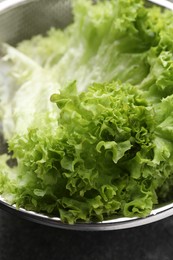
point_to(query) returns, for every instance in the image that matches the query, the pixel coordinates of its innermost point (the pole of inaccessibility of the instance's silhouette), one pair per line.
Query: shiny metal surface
(114, 224)
(164, 3)
(21, 19)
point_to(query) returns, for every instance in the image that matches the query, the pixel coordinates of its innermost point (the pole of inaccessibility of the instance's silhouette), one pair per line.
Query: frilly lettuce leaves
(87, 114)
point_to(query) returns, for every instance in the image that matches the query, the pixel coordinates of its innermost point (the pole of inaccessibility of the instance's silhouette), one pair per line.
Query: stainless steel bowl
(21, 19)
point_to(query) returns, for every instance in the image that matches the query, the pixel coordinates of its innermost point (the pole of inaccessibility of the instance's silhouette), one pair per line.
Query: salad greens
(88, 114)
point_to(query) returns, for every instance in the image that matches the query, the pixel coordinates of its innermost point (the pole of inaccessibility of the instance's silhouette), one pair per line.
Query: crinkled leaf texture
(94, 164)
(87, 113)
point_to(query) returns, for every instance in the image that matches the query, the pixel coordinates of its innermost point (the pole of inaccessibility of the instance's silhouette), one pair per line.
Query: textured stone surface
(24, 240)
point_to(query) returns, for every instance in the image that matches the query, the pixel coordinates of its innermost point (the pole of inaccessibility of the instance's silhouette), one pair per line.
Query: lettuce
(87, 114)
(88, 155)
(25, 93)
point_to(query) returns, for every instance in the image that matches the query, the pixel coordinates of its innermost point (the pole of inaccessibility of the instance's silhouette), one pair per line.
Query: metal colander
(21, 19)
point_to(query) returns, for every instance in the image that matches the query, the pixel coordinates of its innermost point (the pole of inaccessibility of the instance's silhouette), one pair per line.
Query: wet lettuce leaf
(87, 114)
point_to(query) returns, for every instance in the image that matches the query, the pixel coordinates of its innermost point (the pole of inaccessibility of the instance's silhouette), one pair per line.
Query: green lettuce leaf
(86, 161)
(87, 114)
(25, 93)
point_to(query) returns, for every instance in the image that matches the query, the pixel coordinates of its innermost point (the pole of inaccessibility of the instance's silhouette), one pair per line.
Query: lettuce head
(87, 114)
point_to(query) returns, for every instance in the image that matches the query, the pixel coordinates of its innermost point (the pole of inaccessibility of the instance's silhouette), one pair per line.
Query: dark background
(24, 240)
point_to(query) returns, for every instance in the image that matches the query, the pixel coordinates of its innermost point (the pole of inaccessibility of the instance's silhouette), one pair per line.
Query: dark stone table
(23, 240)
